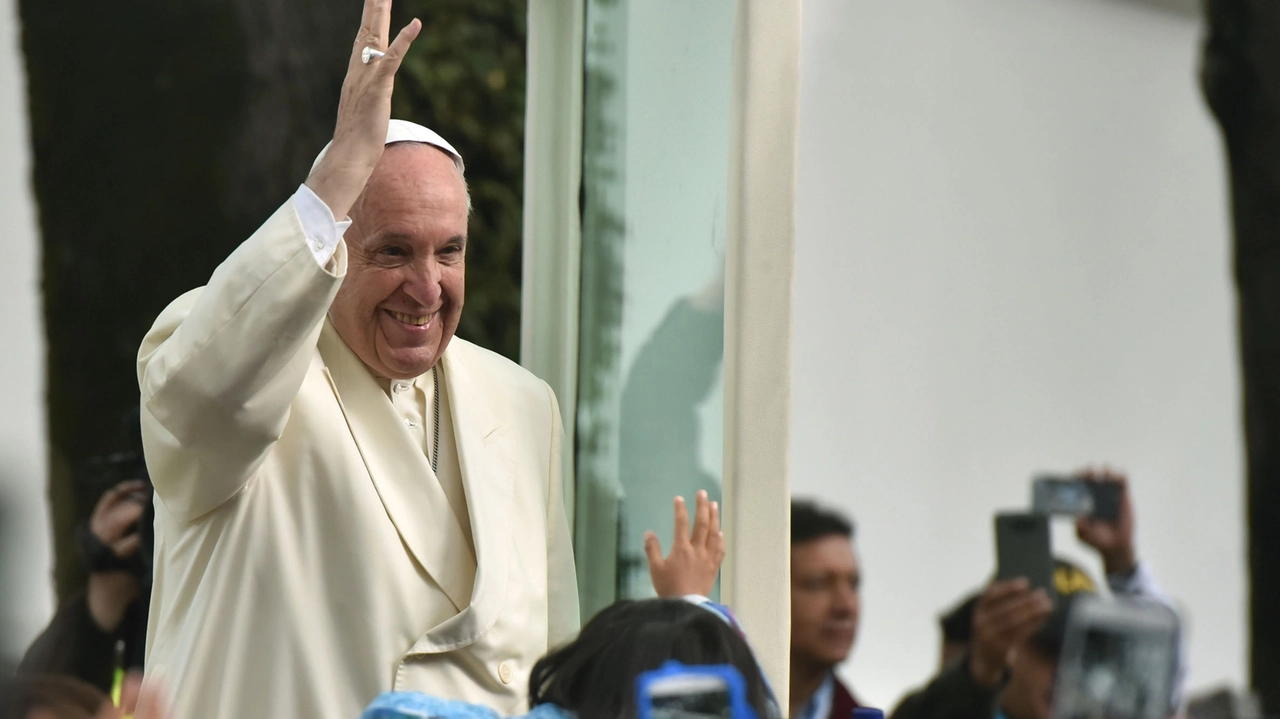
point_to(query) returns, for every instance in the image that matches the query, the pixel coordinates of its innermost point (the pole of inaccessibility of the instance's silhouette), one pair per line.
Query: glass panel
(657, 96)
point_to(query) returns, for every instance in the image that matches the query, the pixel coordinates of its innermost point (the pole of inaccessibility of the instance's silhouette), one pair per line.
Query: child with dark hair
(594, 676)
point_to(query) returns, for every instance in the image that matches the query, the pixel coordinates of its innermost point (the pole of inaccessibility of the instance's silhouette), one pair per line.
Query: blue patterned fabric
(415, 705)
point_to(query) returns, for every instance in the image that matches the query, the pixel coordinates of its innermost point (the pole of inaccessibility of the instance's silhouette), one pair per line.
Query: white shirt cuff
(323, 233)
(1138, 583)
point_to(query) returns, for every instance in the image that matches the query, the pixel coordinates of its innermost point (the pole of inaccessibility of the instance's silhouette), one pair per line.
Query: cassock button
(504, 672)
(410, 423)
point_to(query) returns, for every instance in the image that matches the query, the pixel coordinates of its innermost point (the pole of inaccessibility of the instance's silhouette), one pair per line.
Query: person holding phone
(1007, 668)
(101, 631)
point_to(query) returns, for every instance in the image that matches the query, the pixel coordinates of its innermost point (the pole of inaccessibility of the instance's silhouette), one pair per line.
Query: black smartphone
(1107, 497)
(1023, 549)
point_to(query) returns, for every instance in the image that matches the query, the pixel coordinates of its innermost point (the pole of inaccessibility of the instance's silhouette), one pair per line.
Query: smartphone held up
(1023, 549)
(1076, 497)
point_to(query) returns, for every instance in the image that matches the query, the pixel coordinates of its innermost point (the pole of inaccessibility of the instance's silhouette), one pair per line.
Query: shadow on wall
(674, 372)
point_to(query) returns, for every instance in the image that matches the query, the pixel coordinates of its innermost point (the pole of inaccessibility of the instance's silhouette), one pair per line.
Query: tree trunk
(1241, 81)
(163, 133)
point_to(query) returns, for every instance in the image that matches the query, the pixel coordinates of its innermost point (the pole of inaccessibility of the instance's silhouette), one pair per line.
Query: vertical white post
(759, 273)
(552, 220)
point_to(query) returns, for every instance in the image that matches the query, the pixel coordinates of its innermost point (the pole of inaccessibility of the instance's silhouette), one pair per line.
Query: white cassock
(307, 557)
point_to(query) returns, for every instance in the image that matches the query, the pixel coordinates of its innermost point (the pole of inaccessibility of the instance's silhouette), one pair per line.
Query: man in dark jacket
(826, 579)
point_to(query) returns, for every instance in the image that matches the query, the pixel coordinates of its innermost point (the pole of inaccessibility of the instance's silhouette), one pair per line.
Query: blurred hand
(130, 693)
(151, 703)
(1114, 541)
(694, 561)
(115, 517)
(115, 524)
(1007, 614)
(136, 701)
(364, 110)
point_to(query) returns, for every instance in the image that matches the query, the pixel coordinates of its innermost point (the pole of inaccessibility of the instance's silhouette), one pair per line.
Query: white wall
(1012, 256)
(25, 552)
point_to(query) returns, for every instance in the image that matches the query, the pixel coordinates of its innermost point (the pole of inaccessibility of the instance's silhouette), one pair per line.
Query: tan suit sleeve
(562, 579)
(221, 366)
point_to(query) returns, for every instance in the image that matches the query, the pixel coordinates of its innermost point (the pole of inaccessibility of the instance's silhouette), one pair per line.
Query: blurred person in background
(48, 696)
(349, 498)
(957, 630)
(101, 632)
(1007, 669)
(44, 696)
(1004, 662)
(826, 601)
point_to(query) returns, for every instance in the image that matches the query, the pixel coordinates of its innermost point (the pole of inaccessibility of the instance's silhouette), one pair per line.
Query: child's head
(595, 675)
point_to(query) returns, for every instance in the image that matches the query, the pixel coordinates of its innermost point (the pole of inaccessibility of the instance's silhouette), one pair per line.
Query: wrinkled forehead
(421, 171)
(414, 191)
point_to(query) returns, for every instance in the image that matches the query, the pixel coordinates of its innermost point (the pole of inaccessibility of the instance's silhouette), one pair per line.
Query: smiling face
(401, 300)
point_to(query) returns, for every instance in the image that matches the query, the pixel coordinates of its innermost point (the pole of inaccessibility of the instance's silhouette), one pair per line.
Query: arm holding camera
(1116, 544)
(1113, 540)
(81, 639)
(115, 524)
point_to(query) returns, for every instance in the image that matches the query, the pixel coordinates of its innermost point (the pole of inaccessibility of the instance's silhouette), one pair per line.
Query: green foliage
(465, 78)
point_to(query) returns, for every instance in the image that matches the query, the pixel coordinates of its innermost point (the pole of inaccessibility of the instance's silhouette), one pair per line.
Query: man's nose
(845, 601)
(423, 284)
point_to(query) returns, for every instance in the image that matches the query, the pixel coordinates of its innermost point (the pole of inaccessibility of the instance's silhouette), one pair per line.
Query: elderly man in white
(350, 499)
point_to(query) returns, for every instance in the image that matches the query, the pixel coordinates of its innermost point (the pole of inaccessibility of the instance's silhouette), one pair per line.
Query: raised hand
(115, 517)
(1114, 541)
(364, 110)
(115, 524)
(1006, 615)
(695, 559)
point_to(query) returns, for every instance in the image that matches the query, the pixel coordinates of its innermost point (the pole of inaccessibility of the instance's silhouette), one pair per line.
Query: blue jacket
(414, 705)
